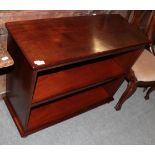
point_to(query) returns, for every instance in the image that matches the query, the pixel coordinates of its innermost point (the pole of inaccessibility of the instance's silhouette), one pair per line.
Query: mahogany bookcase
(66, 66)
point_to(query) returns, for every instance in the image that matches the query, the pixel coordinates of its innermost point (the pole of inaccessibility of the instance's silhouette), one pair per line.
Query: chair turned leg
(152, 88)
(145, 88)
(131, 88)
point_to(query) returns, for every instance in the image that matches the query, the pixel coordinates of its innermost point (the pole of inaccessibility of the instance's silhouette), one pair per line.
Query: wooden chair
(143, 71)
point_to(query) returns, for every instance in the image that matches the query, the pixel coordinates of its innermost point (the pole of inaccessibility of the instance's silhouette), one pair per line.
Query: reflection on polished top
(52, 42)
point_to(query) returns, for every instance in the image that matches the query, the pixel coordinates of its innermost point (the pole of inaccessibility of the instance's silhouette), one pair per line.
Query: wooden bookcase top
(48, 43)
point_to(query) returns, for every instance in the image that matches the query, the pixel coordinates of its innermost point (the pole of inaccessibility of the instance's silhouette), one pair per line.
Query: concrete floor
(134, 124)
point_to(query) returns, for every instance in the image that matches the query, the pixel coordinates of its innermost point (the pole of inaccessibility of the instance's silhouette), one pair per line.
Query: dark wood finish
(10, 16)
(86, 60)
(71, 39)
(141, 19)
(151, 32)
(58, 110)
(133, 83)
(131, 88)
(125, 61)
(20, 83)
(151, 89)
(15, 117)
(112, 86)
(63, 82)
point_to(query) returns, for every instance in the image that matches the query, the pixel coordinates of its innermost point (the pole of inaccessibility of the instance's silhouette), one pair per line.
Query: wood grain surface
(63, 40)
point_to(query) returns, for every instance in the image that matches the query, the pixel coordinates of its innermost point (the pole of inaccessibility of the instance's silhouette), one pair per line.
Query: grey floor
(134, 124)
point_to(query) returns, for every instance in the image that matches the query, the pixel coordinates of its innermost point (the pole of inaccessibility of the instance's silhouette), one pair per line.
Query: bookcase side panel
(20, 83)
(127, 60)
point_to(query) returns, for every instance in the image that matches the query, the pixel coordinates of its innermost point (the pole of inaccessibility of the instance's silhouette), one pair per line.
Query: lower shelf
(52, 113)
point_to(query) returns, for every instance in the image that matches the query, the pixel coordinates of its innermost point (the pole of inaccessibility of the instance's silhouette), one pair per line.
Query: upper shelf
(62, 83)
(53, 42)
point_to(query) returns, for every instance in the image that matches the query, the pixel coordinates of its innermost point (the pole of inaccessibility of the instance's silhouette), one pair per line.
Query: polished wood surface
(147, 25)
(63, 82)
(131, 88)
(20, 83)
(83, 62)
(58, 110)
(65, 40)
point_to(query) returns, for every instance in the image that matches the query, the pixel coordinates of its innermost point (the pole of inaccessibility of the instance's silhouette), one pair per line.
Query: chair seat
(144, 67)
